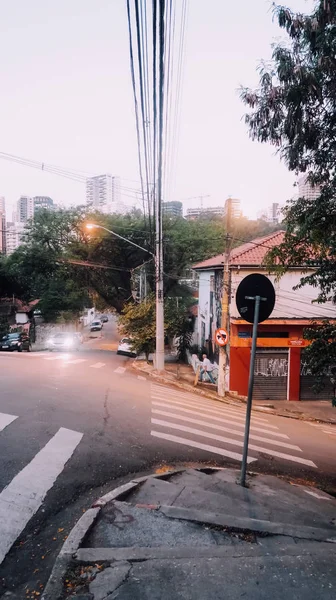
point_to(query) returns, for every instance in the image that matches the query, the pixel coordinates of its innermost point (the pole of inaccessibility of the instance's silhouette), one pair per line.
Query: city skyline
(97, 133)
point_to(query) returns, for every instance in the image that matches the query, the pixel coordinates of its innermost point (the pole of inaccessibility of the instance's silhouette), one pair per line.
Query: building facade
(280, 371)
(173, 209)
(103, 193)
(196, 213)
(2, 225)
(307, 190)
(25, 209)
(232, 206)
(14, 234)
(43, 202)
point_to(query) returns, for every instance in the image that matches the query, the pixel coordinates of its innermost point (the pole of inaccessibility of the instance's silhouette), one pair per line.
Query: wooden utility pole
(224, 353)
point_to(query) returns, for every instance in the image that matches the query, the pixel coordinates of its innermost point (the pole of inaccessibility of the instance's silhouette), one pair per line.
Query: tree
(294, 109)
(137, 321)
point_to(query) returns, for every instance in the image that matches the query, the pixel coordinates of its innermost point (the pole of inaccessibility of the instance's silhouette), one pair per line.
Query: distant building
(173, 208)
(2, 225)
(232, 204)
(14, 234)
(103, 193)
(25, 209)
(307, 190)
(196, 213)
(43, 202)
(271, 214)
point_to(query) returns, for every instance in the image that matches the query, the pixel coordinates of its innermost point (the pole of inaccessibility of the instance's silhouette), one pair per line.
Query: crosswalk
(326, 428)
(23, 496)
(189, 420)
(67, 359)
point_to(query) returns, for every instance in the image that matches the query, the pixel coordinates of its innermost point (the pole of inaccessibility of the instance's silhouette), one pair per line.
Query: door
(270, 375)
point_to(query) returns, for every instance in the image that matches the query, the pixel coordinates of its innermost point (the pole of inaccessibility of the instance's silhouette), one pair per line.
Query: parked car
(104, 318)
(15, 341)
(63, 341)
(96, 325)
(125, 347)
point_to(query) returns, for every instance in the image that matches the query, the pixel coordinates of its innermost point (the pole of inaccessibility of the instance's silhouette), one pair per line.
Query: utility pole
(224, 352)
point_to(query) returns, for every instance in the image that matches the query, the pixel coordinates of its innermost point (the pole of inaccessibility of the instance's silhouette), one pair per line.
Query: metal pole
(250, 390)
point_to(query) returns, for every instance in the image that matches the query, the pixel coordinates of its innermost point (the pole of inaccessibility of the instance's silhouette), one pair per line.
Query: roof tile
(252, 253)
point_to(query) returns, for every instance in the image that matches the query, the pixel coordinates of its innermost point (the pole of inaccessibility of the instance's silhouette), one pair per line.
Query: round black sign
(250, 287)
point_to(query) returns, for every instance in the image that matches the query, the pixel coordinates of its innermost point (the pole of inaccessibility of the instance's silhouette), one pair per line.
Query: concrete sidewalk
(183, 376)
(195, 534)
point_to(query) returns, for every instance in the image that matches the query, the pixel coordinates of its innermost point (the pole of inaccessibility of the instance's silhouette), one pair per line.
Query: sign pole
(250, 388)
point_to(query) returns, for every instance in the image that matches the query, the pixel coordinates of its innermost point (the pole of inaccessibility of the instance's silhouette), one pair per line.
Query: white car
(96, 325)
(125, 347)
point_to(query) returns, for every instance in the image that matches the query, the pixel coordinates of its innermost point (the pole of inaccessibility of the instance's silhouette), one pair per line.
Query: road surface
(74, 425)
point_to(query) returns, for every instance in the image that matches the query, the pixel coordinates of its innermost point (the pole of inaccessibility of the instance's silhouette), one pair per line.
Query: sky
(66, 99)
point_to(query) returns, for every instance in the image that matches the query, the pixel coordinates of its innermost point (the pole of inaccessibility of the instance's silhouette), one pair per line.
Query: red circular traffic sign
(221, 337)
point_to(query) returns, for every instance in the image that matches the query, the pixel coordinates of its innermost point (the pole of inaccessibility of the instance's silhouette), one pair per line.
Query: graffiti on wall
(270, 366)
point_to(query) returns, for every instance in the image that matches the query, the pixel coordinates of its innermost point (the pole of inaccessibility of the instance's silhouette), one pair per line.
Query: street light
(159, 350)
(96, 226)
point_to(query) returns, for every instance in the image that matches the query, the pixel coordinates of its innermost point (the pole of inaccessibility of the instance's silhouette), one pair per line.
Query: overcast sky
(66, 99)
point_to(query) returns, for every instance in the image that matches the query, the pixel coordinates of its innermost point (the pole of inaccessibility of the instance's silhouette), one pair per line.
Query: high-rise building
(25, 208)
(173, 208)
(43, 202)
(307, 190)
(103, 193)
(2, 225)
(14, 234)
(232, 204)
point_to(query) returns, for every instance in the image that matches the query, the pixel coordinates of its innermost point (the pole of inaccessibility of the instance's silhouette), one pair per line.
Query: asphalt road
(74, 425)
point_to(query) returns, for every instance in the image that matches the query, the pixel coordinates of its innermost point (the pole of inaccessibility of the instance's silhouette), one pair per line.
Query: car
(64, 341)
(96, 325)
(15, 341)
(125, 347)
(104, 319)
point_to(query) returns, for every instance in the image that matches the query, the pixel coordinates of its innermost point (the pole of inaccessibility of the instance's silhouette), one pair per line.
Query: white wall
(289, 303)
(204, 304)
(21, 318)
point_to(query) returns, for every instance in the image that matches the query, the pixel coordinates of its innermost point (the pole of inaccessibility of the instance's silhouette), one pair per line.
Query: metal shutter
(270, 375)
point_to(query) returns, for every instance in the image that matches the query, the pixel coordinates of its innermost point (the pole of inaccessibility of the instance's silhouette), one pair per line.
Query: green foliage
(68, 267)
(137, 321)
(4, 326)
(320, 356)
(294, 109)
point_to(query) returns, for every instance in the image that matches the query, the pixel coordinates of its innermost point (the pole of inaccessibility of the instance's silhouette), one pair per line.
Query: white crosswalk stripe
(199, 418)
(98, 365)
(328, 429)
(21, 499)
(76, 361)
(120, 370)
(6, 420)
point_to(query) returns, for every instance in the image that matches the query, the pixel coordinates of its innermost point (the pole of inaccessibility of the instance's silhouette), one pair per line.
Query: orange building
(280, 371)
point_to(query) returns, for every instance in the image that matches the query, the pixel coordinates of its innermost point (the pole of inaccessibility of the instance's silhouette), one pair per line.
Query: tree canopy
(70, 267)
(294, 109)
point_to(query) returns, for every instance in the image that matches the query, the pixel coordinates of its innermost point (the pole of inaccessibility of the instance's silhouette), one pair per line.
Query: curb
(232, 399)
(53, 589)
(70, 548)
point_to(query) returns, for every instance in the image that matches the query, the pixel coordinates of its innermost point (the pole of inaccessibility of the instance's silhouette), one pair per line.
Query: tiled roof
(252, 253)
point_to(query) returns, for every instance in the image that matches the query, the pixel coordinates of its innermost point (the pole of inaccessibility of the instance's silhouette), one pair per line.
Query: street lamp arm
(124, 239)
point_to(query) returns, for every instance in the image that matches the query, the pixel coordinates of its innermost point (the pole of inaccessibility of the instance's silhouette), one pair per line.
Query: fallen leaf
(60, 529)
